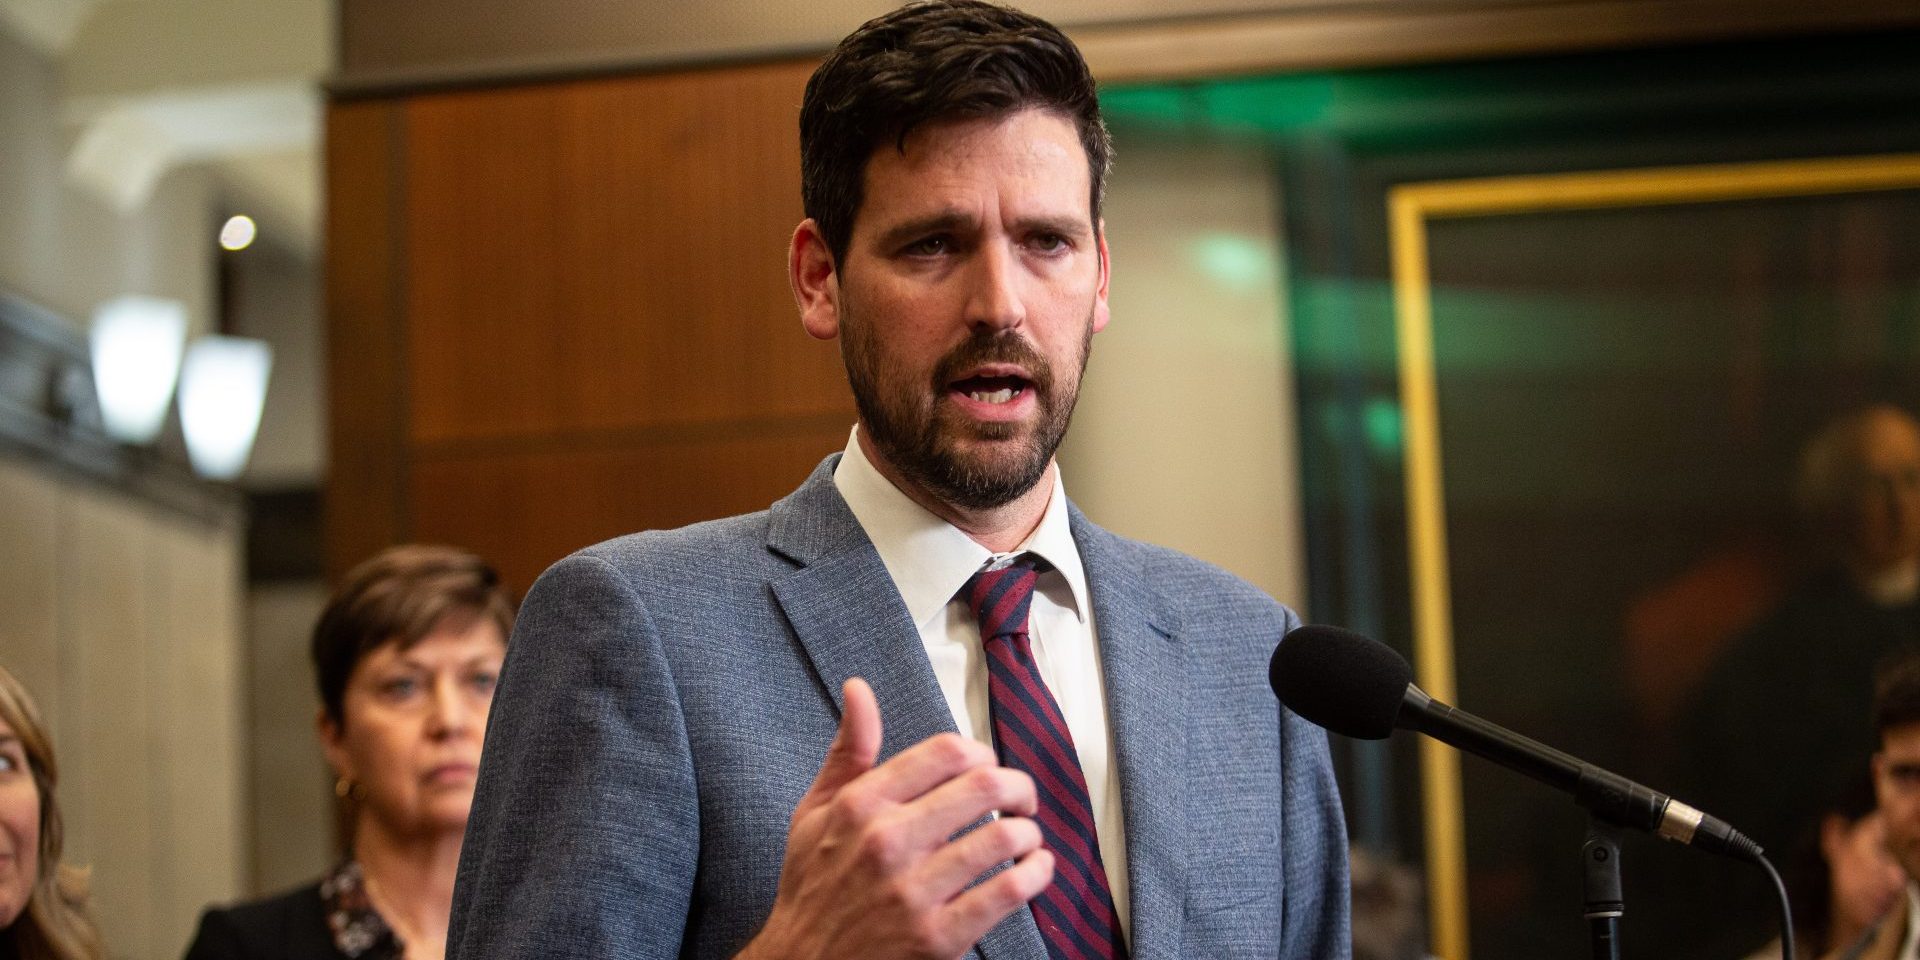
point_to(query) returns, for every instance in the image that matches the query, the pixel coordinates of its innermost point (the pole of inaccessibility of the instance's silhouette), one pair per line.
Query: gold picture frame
(1410, 208)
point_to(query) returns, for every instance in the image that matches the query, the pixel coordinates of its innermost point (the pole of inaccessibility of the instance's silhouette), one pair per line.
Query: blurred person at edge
(1896, 784)
(407, 654)
(1841, 878)
(43, 904)
(1773, 725)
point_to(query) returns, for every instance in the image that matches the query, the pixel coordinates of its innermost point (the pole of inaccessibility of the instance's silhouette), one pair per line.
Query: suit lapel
(848, 615)
(1145, 669)
(849, 618)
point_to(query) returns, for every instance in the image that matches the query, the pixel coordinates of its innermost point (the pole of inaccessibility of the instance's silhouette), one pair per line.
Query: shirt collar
(1912, 940)
(931, 559)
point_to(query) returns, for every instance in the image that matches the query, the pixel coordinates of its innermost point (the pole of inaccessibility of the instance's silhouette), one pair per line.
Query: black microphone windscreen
(1340, 680)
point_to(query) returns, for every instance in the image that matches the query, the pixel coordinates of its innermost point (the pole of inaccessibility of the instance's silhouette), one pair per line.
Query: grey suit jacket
(669, 696)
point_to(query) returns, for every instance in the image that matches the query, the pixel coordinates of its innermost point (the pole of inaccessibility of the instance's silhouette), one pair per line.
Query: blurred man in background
(1896, 780)
(1775, 723)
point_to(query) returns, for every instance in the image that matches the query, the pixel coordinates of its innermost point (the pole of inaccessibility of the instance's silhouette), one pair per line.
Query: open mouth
(991, 390)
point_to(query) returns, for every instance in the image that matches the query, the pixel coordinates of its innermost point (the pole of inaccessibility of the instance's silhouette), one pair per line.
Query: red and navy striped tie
(1075, 912)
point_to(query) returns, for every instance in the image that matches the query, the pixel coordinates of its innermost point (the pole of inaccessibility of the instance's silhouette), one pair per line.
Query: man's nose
(994, 297)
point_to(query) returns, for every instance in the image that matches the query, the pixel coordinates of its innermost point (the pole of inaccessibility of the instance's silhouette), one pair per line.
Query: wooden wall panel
(560, 313)
(365, 394)
(196, 684)
(29, 617)
(118, 614)
(107, 737)
(608, 255)
(530, 508)
(486, 322)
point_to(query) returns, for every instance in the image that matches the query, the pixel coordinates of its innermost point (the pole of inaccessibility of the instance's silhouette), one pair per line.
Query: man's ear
(1100, 313)
(815, 280)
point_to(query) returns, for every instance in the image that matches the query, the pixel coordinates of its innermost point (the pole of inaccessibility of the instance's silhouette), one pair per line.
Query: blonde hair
(56, 924)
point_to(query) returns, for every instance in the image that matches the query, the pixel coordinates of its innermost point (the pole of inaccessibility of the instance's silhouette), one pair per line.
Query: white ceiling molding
(228, 85)
(127, 145)
(119, 157)
(215, 121)
(49, 26)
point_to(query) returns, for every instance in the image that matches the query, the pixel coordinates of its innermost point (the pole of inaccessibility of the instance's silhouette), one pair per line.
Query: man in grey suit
(921, 707)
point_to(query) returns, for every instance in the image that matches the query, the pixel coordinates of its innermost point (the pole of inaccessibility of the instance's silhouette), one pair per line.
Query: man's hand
(870, 871)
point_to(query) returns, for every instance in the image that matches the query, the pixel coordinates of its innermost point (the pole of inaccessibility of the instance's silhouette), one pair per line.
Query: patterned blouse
(359, 932)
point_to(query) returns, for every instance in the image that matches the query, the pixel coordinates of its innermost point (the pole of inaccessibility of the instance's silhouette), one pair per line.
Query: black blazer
(291, 926)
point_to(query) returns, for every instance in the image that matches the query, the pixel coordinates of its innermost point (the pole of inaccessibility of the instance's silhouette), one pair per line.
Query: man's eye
(484, 680)
(928, 247)
(1050, 243)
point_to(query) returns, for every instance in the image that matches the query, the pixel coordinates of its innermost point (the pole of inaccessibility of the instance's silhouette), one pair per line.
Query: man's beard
(921, 438)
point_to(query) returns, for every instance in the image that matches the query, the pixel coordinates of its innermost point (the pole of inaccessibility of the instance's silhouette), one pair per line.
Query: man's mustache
(989, 348)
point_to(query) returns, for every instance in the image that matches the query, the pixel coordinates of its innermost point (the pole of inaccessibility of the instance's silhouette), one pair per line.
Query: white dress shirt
(931, 560)
(1911, 946)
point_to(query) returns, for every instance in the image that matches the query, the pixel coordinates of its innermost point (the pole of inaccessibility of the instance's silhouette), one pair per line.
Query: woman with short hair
(43, 903)
(406, 655)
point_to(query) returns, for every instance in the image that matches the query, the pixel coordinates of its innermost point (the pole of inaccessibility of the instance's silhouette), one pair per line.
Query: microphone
(1353, 686)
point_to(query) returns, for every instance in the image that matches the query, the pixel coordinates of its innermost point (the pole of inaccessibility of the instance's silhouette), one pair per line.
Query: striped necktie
(1075, 913)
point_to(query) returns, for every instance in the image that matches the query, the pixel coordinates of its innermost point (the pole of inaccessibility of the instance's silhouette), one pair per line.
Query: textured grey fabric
(668, 697)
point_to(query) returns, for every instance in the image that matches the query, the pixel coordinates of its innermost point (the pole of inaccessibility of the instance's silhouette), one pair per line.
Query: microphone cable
(1786, 910)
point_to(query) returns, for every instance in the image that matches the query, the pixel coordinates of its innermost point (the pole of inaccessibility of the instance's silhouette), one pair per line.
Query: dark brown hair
(930, 61)
(1896, 692)
(400, 596)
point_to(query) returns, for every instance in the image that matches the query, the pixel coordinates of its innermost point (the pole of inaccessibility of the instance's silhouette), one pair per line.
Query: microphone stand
(1600, 863)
